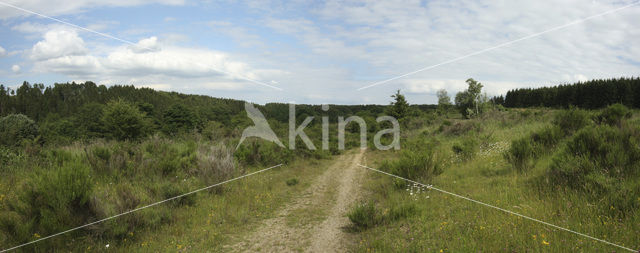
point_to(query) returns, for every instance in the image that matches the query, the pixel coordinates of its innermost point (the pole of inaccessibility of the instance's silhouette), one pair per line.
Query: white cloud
(15, 69)
(3, 52)
(146, 45)
(166, 64)
(58, 43)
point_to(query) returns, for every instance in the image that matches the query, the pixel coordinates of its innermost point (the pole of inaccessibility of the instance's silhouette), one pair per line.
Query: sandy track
(328, 198)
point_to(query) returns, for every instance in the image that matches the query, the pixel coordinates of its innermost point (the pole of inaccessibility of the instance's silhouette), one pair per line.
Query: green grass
(449, 224)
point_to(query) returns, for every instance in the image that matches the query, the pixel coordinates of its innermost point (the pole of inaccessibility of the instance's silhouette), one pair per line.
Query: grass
(444, 223)
(216, 220)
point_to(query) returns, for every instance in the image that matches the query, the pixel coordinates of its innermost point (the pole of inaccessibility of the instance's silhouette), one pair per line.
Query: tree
(17, 127)
(444, 101)
(90, 120)
(179, 118)
(469, 101)
(399, 107)
(123, 121)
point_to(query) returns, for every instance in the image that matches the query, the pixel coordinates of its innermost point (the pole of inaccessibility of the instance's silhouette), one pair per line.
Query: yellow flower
(545, 242)
(36, 235)
(534, 236)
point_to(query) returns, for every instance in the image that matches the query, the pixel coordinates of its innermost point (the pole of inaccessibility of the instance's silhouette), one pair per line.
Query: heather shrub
(613, 115)
(571, 120)
(521, 154)
(603, 162)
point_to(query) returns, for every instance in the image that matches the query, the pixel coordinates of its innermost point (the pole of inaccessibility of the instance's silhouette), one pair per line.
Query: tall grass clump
(419, 165)
(603, 162)
(363, 215)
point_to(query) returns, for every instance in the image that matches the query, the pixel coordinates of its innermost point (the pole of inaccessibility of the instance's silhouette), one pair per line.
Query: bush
(465, 149)
(547, 137)
(292, 182)
(215, 164)
(15, 128)
(123, 121)
(602, 161)
(420, 165)
(179, 119)
(521, 154)
(613, 115)
(363, 215)
(571, 120)
(266, 153)
(50, 202)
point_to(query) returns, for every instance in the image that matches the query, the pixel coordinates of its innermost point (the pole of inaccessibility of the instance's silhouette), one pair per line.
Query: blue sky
(317, 52)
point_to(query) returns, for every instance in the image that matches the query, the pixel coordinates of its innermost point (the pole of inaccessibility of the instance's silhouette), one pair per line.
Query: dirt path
(315, 221)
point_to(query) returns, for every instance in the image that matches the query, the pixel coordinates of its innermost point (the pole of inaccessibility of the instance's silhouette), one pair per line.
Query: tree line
(65, 112)
(588, 95)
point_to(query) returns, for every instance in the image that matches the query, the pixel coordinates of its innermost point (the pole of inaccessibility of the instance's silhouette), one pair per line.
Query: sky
(318, 52)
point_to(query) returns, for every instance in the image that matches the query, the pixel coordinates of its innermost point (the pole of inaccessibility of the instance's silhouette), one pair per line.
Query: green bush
(602, 161)
(547, 137)
(363, 215)
(123, 121)
(465, 149)
(521, 154)
(266, 153)
(421, 165)
(15, 128)
(613, 115)
(292, 182)
(50, 202)
(571, 120)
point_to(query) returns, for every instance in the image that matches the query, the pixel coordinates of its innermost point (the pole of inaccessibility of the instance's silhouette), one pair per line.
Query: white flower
(106, 246)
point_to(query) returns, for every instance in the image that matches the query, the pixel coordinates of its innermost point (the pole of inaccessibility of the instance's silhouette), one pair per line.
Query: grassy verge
(216, 220)
(443, 223)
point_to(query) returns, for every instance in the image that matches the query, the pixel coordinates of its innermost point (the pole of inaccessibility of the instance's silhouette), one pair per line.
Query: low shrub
(266, 153)
(465, 149)
(547, 138)
(521, 154)
(50, 202)
(363, 215)
(613, 115)
(602, 161)
(461, 128)
(292, 182)
(571, 120)
(215, 164)
(421, 165)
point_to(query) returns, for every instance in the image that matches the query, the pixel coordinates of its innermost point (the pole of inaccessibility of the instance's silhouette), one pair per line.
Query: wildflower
(106, 246)
(545, 242)
(36, 235)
